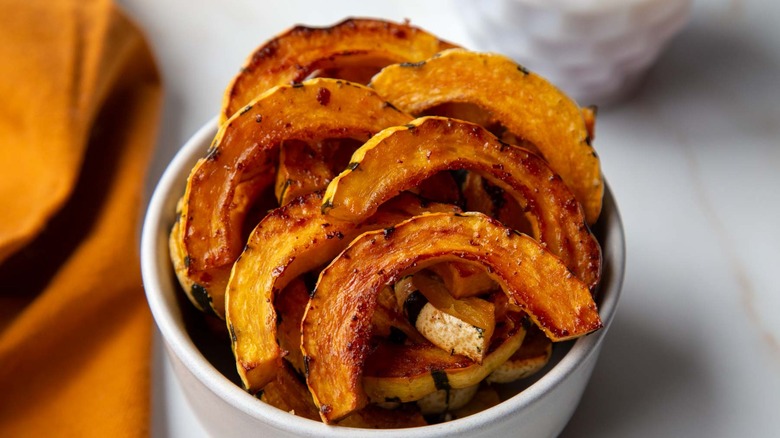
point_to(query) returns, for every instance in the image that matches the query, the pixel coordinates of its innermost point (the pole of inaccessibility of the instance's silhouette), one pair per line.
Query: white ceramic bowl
(541, 407)
(595, 50)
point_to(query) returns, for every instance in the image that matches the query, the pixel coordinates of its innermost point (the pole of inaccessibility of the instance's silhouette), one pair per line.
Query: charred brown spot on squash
(323, 96)
(336, 234)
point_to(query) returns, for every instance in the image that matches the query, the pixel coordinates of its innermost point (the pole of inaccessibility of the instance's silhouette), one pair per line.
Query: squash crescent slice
(531, 357)
(431, 144)
(288, 393)
(339, 50)
(336, 328)
(290, 241)
(406, 373)
(244, 154)
(526, 104)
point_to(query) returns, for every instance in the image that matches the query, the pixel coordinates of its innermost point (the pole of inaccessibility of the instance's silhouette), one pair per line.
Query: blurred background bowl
(203, 363)
(596, 51)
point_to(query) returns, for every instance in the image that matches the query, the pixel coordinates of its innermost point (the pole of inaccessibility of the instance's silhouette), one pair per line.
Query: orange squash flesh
(463, 279)
(431, 144)
(289, 305)
(336, 329)
(352, 49)
(526, 104)
(289, 241)
(205, 287)
(244, 154)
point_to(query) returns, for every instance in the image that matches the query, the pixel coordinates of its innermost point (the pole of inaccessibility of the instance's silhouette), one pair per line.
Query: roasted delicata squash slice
(388, 321)
(408, 373)
(527, 105)
(400, 157)
(205, 286)
(354, 49)
(288, 242)
(444, 400)
(288, 393)
(242, 162)
(531, 357)
(336, 329)
(375, 417)
(485, 398)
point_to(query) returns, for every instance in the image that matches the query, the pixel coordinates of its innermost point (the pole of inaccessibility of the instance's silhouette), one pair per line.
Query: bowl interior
(202, 345)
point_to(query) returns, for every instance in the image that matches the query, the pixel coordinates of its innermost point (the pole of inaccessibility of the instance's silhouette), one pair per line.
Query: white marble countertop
(694, 162)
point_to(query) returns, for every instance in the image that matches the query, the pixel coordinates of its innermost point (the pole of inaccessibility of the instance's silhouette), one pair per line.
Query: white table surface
(694, 162)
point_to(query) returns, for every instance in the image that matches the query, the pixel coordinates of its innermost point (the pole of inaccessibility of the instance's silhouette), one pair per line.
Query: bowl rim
(157, 273)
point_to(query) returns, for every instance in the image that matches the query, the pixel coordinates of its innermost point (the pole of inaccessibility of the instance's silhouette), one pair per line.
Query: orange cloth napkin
(79, 106)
